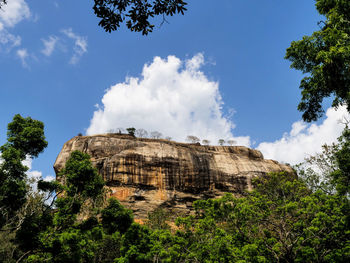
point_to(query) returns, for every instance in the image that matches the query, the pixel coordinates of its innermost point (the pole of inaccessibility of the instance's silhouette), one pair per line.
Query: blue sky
(226, 75)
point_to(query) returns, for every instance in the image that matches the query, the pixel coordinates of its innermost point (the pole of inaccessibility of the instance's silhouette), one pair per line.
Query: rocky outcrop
(147, 173)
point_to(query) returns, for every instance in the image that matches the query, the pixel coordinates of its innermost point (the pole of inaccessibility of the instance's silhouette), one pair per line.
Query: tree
(316, 171)
(221, 142)
(116, 218)
(329, 171)
(136, 14)
(25, 138)
(325, 58)
(192, 139)
(157, 219)
(156, 135)
(131, 131)
(81, 178)
(231, 142)
(279, 221)
(120, 130)
(136, 244)
(20, 206)
(206, 142)
(73, 235)
(340, 178)
(142, 133)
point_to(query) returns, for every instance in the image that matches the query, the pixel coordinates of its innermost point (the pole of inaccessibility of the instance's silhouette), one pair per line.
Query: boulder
(144, 174)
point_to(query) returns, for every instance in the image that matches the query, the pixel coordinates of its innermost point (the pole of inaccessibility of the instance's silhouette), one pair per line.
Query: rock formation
(147, 173)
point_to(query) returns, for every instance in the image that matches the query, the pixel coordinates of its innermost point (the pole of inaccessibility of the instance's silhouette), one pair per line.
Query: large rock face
(146, 173)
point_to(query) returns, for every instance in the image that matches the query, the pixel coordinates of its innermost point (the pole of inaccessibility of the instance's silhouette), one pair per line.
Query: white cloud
(23, 55)
(173, 97)
(49, 45)
(13, 13)
(304, 140)
(49, 178)
(9, 40)
(10, 15)
(80, 45)
(32, 174)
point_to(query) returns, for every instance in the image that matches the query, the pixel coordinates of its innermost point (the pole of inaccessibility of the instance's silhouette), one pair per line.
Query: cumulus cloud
(23, 55)
(304, 139)
(173, 97)
(49, 45)
(10, 15)
(80, 45)
(13, 13)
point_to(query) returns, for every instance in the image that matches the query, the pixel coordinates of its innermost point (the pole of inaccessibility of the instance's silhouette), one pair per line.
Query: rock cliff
(147, 173)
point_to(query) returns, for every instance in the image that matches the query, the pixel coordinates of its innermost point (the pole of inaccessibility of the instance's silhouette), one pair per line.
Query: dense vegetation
(284, 219)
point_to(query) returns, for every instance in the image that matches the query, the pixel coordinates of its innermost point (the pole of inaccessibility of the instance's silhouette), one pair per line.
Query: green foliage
(25, 138)
(8, 249)
(316, 171)
(325, 58)
(68, 239)
(157, 219)
(131, 131)
(116, 218)
(283, 219)
(280, 221)
(329, 171)
(27, 236)
(137, 14)
(50, 186)
(341, 176)
(21, 233)
(81, 177)
(136, 245)
(108, 248)
(26, 135)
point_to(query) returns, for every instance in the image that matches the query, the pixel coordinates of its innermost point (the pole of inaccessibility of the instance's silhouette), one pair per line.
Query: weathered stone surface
(146, 173)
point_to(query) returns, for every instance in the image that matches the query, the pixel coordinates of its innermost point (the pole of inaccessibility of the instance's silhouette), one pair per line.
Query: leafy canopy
(116, 218)
(81, 177)
(280, 221)
(325, 59)
(136, 13)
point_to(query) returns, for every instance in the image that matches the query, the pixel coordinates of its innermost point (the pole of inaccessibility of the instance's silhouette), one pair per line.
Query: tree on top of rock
(142, 133)
(131, 131)
(221, 142)
(192, 139)
(156, 135)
